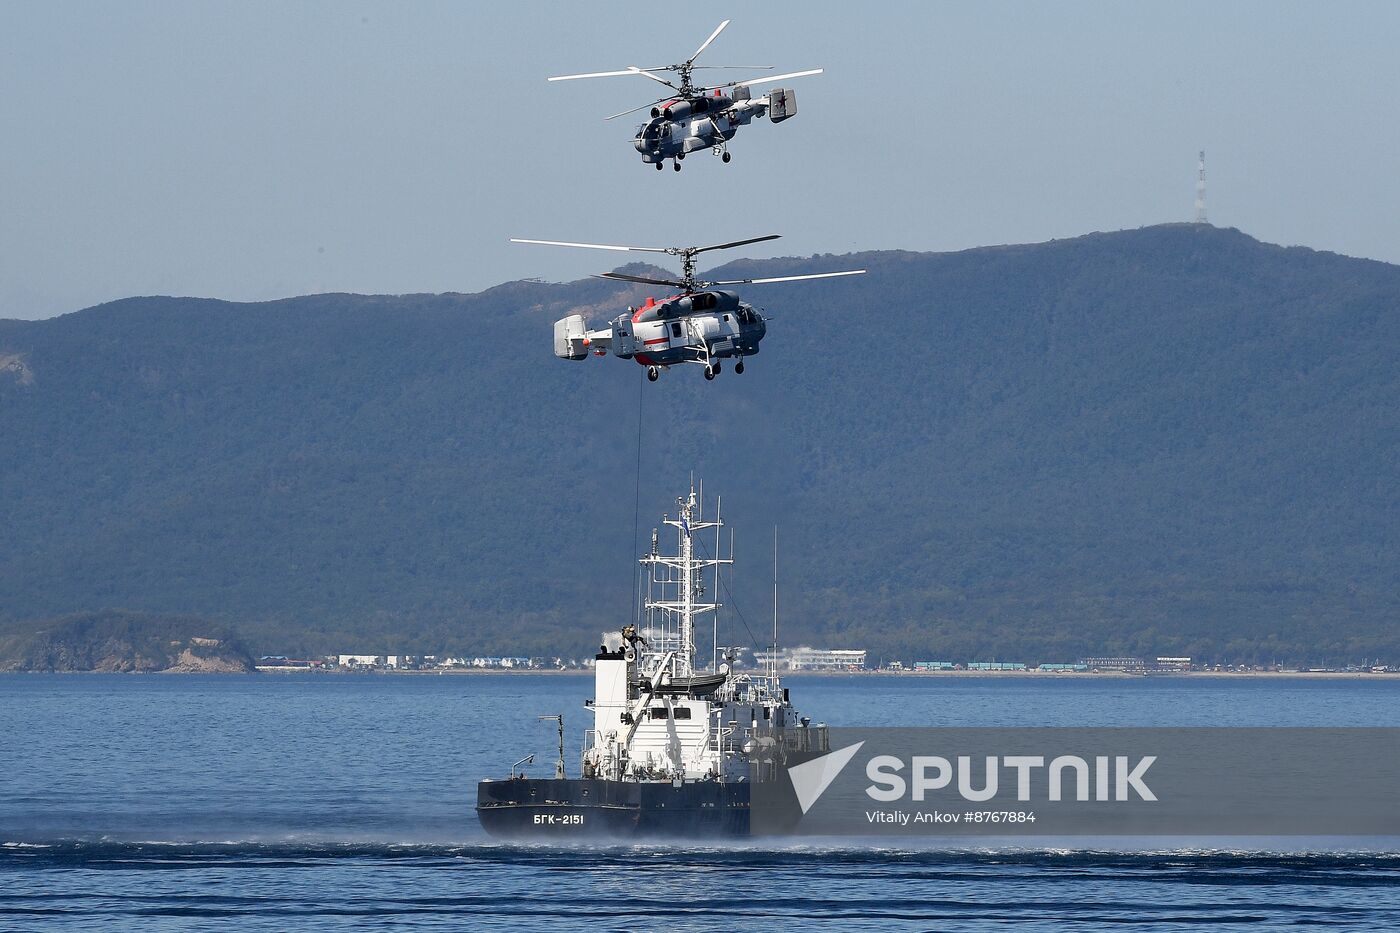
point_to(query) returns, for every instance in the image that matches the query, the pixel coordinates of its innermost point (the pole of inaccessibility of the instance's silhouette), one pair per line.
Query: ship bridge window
(659, 712)
(681, 712)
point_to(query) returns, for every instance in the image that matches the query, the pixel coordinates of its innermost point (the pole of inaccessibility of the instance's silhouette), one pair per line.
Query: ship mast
(682, 590)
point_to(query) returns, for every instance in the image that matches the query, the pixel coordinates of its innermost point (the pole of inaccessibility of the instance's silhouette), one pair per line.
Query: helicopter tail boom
(574, 341)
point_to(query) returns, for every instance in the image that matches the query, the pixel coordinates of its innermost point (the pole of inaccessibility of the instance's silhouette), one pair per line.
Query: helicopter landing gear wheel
(724, 158)
(653, 374)
(676, 165)
(680, 155)
(660, 166)
(711, 370)
(739, 368)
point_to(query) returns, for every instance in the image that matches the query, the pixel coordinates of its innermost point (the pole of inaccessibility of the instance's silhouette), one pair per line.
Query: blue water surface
(330, 802)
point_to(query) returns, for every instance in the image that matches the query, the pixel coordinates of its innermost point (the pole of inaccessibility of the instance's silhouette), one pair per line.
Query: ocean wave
(740, 853)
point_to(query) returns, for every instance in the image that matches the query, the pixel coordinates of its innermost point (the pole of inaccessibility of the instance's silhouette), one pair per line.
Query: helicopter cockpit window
(675, 328)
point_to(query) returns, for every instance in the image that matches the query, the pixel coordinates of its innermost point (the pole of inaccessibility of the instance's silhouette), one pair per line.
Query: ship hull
(544, 810)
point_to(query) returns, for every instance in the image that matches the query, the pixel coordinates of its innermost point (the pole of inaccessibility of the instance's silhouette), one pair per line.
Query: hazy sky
(258, 150)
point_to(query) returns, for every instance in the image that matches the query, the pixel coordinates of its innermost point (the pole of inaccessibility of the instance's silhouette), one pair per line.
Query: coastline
(587, 672)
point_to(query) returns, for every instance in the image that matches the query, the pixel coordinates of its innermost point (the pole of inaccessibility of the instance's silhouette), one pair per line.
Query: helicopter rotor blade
(757, 239)
(620, 249)
(706, 44)
(745, 67)
(622, 277)
(592, 74)
(635, 109)
(769, 80)
(647, 74)
(790, 278)
(630, 70)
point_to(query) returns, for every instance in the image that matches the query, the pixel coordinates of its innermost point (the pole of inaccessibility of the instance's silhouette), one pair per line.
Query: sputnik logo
(811, 778)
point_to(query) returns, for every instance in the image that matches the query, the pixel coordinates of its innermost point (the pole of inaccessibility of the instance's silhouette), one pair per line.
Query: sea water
(331, 802)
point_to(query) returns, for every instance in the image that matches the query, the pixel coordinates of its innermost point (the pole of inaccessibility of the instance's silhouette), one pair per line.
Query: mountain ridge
(1174, 439)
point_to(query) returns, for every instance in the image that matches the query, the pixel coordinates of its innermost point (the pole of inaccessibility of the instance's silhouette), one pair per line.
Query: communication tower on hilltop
(1201, 190)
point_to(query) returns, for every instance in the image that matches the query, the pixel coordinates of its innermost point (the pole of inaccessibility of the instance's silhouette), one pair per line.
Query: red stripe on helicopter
(650, 303)
(656, 340)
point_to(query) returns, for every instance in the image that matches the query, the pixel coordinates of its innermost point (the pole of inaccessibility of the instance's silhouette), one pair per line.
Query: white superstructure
(660, 716)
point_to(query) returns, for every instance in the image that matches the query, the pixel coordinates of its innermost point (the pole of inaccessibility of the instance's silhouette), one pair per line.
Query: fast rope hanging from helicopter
(637, 527)
(637, 505)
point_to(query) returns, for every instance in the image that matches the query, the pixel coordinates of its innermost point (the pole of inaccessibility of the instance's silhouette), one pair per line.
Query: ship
(677, 741)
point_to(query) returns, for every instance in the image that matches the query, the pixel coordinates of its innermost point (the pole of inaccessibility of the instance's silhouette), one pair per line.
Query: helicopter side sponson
(698, 327)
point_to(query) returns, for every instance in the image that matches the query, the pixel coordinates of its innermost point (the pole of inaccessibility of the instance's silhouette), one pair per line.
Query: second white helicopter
(699, 324)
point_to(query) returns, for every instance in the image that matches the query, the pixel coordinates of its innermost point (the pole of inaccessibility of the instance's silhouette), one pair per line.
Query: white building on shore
(814, 659)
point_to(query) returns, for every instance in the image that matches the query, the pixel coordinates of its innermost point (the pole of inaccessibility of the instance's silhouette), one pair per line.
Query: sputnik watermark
(934, 772)
(810, 779)
(1057, 781)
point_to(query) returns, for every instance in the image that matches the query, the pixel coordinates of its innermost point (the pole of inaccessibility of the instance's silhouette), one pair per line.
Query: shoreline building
(813, 659)
(1127, 665)
(1173, 664)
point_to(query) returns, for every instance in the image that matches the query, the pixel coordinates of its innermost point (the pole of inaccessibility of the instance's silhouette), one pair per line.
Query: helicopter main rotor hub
(686, 90)
(687, 257)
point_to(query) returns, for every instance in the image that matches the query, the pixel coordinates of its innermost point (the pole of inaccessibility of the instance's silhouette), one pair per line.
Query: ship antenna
(773, 655)
(683, 594)
(689, 581)
(559, 765)
(714, 619)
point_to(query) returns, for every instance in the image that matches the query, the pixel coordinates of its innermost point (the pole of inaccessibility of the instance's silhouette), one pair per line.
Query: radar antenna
(1201, 189)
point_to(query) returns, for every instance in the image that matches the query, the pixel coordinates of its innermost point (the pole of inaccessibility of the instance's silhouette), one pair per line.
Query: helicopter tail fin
(569, 335)
(782, 104)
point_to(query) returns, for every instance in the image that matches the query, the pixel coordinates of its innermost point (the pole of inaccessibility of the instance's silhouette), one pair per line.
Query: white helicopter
(694, 117)
(701, 324)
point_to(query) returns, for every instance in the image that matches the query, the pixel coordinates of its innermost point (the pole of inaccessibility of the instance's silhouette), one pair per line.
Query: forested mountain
(120, 642)
(1173, 440)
